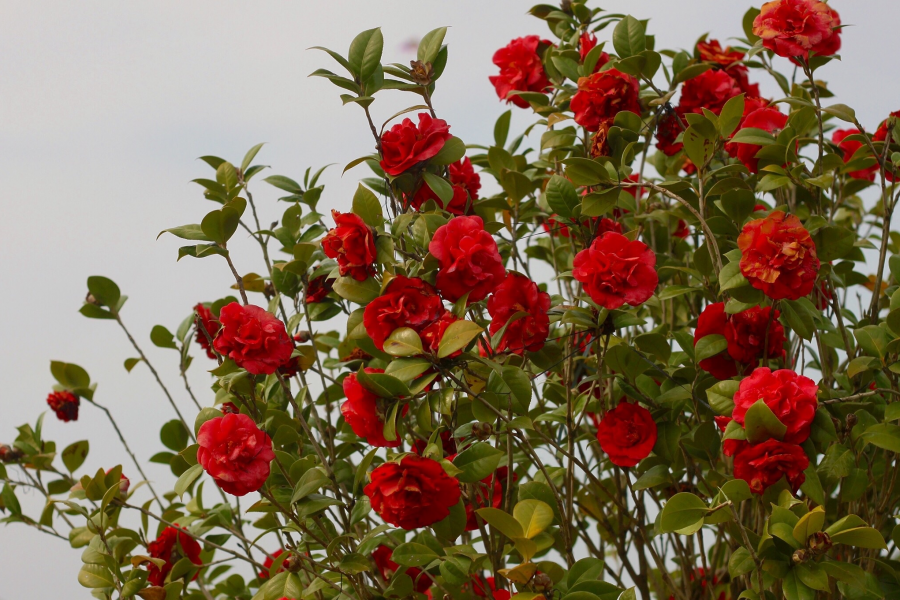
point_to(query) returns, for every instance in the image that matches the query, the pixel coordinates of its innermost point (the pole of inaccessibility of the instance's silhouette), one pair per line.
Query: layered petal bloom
(627, 434)
(352, 244)
(253, 338)
(521, 69)
(602, 95)
(235, 453)
(762, 465)
(791, 397)
(172, 545)
(469, 261)
(794, 28)
(615, 271)
(415, 492)
(466, 183)
(778, 256)
(406, 144)
(517, 294)
(406, 302)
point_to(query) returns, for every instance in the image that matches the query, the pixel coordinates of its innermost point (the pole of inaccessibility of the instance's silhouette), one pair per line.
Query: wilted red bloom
(521, 69)
(270, 560)
(797, 27)
(791, 397)
(207, 327)
(416, 492)
(466, 183)
(365, 412)
(600, 141)
(762, 465)
(668, 126)
(382, 557)
(172, 545)
(352, 243)
(710, 90)
(597, 225)
(519, 294)
(586, 43)
(469, 259)
(615, 270)
(253, 338)
(406, 302)
(65, 404)
(627, 434)
(848, 149)
(601, 96)
(745, 333)
(235, 452)
(406, 144)
(729, 60)
(778, 256)
(767, 119)
(433, 334)
(318, 289)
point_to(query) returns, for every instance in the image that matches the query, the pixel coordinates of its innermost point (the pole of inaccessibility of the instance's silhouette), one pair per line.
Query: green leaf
(761, 424)
(682, 511)
(846, 572)
(721, 397)
(452, 150)
(740, 563)
(367, 206)
(284, 183)
(187, 232)
(8, 496)
(883, 435)
(812, 575)
(561, 196)
(709, 346)
(457, 336)
(361, 292)
(74, 454)
(534, 516)
(833, 242)
(309, 482)
(477, 462)
(501, 128)
(798, 319)
(452, 526)
(251, 154)
(629, 37)
(412, 554)
(654, 476)
(752, 135)
(700, 141)
(598, 204)
(583, 171)
(502, 522)
(407, 369)
(842, 112)
(187, 478)
(174, 436)
(430, 45)
(95, 577)
(440, 186)
(383, 385)
(220, 225)
(162, 337)
(403, 341)
(365, 53)
(730, 277)
(69, 375)
(731, 115)
(874, 340)
(861, 537)
(810, 523)
(104, 290)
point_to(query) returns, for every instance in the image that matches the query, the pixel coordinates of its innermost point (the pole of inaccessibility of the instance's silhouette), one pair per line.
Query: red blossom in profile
(387, 567)
(518, 294)
(469, 261)
(767, 119)
(729, 60)
(406, 144)
(65, 404)
(778, 256)
(794, 28)
(603, 95)
(615, 271)
(791, 397)
(466, 183)
(235, 453)
(627, 434)
(352, 244)
(848, 148)
(415, 492)
(521, 69)
(682, 231)
(762, 465)
(207, 328)
(710, 90)
(270, 560)
(406, 302)
(253, 338)
(318, 289)
(364, 412)
(172, 545)
(586, 43)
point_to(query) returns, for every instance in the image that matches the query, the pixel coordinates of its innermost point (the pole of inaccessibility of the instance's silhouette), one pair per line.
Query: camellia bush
(626, 353)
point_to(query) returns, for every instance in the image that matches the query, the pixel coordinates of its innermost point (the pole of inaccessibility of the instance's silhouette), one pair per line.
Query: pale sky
(104, 108)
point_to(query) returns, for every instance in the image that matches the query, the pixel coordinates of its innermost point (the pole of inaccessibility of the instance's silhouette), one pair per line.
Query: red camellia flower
(365, 412)
(172, 545)
(479, 591)
(778, 256)
(352, 243)
(767, 119)
(469, 259)
(405, 144)
(318, 289)
(253, 338)
(270, 560)
(519, 294)
(791, 397)
(64, 404)
(235, 452)
(710, 90)
(601, 96)
(416, 492)
(745, 333)
(521, 69)
(615, 270)
(466, 183)
(586, 43)
(668, 126)
(729, 60)
(682, 231)
(382, 557)
(848, 148)
(406, 302)
(433, 334)
(762, 465)
(795, 27)
(627, 434)
(207, 327)
(881, 135)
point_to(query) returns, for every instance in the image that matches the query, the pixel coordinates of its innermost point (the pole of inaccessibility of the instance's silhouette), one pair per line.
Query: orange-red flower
(352, 243)
(778, 256)
(797, 27)
(603, 95)
(364, 412)
(235, 452)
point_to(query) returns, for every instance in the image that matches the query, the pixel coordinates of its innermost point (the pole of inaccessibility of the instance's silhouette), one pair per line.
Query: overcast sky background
(104, 108)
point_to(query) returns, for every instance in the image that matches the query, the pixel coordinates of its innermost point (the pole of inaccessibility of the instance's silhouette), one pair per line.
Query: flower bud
(9, 454)
(422, 73)
(800, 556)
(851, 420)
(819, 543)
(542, 583)
(90, 299)
(482, 431)
(292, 563)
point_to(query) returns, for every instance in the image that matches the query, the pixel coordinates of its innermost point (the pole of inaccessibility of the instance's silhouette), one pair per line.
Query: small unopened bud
(566, 6)
(9, 454)
(302, 337)
(851, 420)
(838, 425)
(292, 563)
(819, 543)
(269, 290)
(482, 430)
(800, 556)
(422, 73)
(90, 299)
(541, 583)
